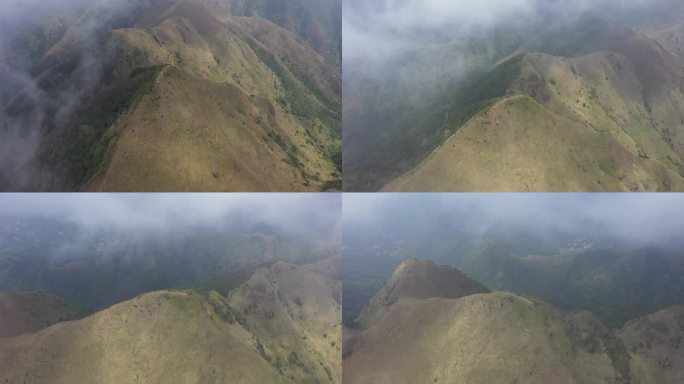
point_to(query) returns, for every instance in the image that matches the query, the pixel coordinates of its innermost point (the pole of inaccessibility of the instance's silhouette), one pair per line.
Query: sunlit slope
(182, 336)
(190, 97)
(606, 121)
(501, 337)
(218, 142)
(155, 338)
(24, 312)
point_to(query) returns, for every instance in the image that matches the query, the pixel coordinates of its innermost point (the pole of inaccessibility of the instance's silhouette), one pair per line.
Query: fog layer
(312, 215)
(375, 31)
(635, 219)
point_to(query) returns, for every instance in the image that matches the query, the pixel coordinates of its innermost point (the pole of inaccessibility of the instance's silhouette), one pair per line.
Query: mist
(28, 108)
(627, 219)
(377, 31)
(315, 216)
(100, 249)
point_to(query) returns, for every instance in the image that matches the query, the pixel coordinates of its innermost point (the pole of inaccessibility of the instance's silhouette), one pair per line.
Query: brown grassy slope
(297, 316)
(418, 279)
(278, 326)
(26, 312)
(156, 338)
(218, 142)
(483, 338)
(655, 344)
(602, 122)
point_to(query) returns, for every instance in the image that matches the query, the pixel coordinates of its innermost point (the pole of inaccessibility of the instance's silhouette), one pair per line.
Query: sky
(646, 219)
(299, 214)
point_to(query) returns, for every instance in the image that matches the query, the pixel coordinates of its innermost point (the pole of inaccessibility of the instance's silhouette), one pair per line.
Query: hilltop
(418, 279)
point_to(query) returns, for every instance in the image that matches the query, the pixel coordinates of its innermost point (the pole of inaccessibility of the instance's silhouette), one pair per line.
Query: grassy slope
(654, 343)
(187, 337)
(483, 338)
(585, 124)
(296, 314)
(155, 338)
(506, 338)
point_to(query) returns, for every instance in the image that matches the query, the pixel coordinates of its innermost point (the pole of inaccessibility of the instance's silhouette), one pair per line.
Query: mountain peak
(419, 279)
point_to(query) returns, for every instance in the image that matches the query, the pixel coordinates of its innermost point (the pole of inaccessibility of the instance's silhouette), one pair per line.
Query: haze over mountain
(121, 246)
(618, 256)
(502, 337)
(186, 288)
(529, 95)
(170, 95)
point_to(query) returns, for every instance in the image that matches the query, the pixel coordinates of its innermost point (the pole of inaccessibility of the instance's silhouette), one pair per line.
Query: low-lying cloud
(21, 134)
(643, 219)
(313, 215)
(377, 30)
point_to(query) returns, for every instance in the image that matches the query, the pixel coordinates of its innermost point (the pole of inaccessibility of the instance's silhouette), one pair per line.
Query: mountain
(591, 105)
(279, 325)
(419, 279)
(26, 312)
(497, 337)
(175, 95)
